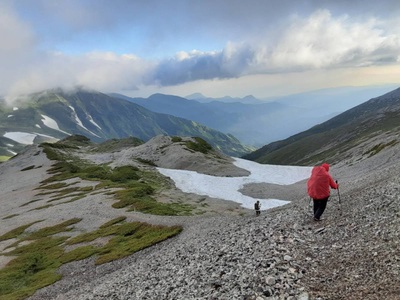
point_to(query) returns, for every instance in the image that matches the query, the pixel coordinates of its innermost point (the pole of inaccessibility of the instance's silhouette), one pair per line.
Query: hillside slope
(370, 126)
(55, 114)
(225, 253)
(251, 123)
(256, 122)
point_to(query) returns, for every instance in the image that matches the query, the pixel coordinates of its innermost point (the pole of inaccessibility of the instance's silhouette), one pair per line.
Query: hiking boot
(317, 220)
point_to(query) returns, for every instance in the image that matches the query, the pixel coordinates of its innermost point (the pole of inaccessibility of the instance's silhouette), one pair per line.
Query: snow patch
(51, 123)
(227, 188)
(21, 137)
(25, 138)
(12, 152)
(46, 136)
(93, 122)
(79, 122)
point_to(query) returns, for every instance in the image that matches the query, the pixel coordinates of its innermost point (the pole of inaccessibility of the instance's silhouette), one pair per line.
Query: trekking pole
(340, 204)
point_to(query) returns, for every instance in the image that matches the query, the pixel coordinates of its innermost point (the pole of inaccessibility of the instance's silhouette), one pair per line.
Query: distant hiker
(257, 207)
(318, 187)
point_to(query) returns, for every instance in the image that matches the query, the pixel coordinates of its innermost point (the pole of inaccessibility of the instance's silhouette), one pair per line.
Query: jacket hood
(326, 166)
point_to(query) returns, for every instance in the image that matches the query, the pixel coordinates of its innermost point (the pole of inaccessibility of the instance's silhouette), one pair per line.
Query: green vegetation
(117, 144)
(126, 238)
(4, 158)
(74, 141)
(199, 145)
(38, 254)
(10, 216)
(176, 139)
(146, 161)
(149, 205)
(37, 262)
(35, 267)
(137, 186)
(42, 207)
(47, 231)
(113, 221)
(132, 237)
(29, 202)
(28, 168)
(57, 185)
(379, 147)
(124, 174)
(15, 232)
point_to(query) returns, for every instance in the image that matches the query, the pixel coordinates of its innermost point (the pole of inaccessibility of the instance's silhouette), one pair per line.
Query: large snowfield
(227, 188)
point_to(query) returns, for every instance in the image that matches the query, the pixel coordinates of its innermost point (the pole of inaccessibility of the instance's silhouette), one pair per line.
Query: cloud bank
(320, 41)
(316, 41)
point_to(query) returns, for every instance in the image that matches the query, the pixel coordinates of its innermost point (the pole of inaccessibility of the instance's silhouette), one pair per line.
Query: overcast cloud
(130, 45)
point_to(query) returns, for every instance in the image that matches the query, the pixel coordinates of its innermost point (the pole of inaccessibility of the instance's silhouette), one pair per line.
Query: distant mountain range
(255, 122)
(55, 114)
(364, 130)
(250, 99)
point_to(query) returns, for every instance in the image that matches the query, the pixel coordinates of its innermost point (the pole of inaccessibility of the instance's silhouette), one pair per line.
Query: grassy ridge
(137, 186)
(37, 255)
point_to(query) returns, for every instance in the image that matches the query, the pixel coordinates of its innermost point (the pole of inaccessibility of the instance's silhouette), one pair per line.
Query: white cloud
(102, 71)
(17, 39)
(319, 41)
(322, 40)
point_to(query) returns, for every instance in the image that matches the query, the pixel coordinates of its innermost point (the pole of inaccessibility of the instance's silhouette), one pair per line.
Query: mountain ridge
(260, 122)
(56, 113)
(375, 120)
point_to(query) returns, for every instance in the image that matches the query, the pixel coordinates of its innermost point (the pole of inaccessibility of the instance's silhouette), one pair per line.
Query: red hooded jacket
(320, 182)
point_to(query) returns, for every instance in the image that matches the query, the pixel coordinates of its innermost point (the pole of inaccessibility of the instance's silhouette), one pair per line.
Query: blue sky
(217, 47)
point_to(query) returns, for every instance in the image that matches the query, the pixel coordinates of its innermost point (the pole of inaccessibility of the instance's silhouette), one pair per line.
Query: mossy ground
(137, 186)
(37, 261)
(39, 254)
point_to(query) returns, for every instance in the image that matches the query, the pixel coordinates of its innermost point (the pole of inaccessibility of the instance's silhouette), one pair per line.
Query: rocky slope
(352, 254)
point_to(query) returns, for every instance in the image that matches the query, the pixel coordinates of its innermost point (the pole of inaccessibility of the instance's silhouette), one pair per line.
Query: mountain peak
(195, 96)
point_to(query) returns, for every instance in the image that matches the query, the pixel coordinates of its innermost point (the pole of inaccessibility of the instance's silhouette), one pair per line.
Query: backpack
(256, 206)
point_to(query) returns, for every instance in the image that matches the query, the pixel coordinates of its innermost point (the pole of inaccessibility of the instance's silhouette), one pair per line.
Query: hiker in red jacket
(319, 190)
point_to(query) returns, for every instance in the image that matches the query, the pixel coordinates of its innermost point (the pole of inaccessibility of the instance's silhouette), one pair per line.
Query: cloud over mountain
(274, 40)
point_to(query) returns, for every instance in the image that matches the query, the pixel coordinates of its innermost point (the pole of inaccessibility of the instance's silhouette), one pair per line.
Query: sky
(264, 48)
(227, 188)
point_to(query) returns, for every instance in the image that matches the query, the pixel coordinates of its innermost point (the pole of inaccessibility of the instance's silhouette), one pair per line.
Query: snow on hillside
(51, 123)
(227, 188)
(21, 137)
(93, 122)
(25, 138)
(79, 122)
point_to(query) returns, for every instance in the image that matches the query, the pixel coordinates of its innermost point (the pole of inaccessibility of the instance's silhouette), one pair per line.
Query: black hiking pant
(319, 207)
